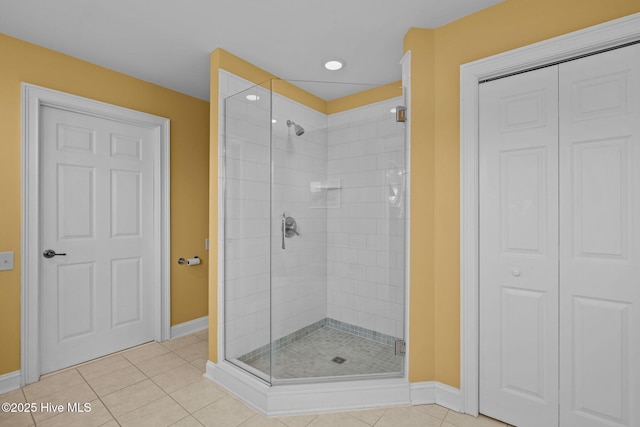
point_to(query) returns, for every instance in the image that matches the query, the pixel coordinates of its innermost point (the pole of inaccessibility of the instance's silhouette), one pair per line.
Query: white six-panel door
(97, 209)
(560, 244)
(519, 249)
(600, 240)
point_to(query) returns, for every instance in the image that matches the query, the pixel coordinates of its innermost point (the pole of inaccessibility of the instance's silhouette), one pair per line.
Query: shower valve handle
(289, 227)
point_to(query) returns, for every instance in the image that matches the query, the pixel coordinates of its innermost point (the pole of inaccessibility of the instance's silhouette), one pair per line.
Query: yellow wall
(25, 62)
(421, 42)
(436, 56)
(366, 97)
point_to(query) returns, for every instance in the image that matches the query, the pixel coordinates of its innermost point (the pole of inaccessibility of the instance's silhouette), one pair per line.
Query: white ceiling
(168, 42)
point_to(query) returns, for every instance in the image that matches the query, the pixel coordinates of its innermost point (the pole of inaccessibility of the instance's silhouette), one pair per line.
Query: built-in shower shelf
(314, 187)
(322, 194)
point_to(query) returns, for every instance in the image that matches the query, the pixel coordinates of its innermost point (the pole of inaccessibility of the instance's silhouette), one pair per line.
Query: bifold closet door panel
(519, 249)
(600, 240)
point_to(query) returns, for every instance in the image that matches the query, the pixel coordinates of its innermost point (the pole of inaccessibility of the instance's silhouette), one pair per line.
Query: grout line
(186, 410)
(144, 404)
(100, 398)
(190, 414)
(25, 399)
(249, 419)
(445, 415)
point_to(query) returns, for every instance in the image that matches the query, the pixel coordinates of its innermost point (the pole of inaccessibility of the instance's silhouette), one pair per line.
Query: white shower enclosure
(313, 243)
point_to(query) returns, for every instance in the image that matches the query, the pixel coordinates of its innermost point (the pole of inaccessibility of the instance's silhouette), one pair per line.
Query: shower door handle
(284, 219)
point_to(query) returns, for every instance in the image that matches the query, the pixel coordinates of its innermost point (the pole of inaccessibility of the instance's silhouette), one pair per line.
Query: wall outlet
(6, 261)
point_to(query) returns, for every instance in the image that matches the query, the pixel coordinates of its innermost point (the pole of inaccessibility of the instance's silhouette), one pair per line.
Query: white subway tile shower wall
(365, 281)
(299, 284)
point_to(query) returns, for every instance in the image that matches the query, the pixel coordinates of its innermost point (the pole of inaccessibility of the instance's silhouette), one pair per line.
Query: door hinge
(401, 348)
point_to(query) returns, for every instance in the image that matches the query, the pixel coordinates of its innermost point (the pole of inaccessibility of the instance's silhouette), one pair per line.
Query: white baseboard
(423, 393)
(292, 399)
(428, 392)
(189, 327)
(449, 397)
(9, 382)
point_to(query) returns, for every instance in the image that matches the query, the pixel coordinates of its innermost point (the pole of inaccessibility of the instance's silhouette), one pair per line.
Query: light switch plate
(6, 261)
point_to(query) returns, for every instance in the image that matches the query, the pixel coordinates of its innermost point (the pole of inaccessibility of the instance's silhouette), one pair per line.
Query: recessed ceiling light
(252, 97)
(333, 65)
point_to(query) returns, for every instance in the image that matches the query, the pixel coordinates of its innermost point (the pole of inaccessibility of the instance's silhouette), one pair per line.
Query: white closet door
(519, 249)
(600, 240)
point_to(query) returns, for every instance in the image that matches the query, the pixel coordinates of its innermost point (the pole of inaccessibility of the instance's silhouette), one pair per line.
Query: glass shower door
(338, 241)
(299, 233)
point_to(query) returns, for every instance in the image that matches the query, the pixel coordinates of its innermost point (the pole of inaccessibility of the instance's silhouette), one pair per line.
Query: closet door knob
(515, 273)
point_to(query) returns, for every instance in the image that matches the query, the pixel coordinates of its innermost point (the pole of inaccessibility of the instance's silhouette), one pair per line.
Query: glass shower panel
(246, 195)
(337, 275)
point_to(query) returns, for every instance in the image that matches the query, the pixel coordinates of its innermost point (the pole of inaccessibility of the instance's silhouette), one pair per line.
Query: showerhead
(299, 129)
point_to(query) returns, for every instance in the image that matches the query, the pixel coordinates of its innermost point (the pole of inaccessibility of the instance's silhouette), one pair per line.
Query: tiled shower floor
(311, 356)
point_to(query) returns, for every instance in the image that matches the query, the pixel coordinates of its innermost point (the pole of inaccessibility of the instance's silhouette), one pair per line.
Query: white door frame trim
(33, 97)
(589, 40)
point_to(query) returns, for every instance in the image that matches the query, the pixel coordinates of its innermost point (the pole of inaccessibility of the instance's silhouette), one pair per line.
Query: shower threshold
(302, 396)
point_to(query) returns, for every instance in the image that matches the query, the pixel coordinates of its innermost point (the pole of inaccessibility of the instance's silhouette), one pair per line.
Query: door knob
(516, 273)
(50, 253)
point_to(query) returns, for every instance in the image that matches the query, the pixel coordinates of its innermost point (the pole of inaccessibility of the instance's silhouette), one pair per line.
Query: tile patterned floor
(162, 385)
(311, 356)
